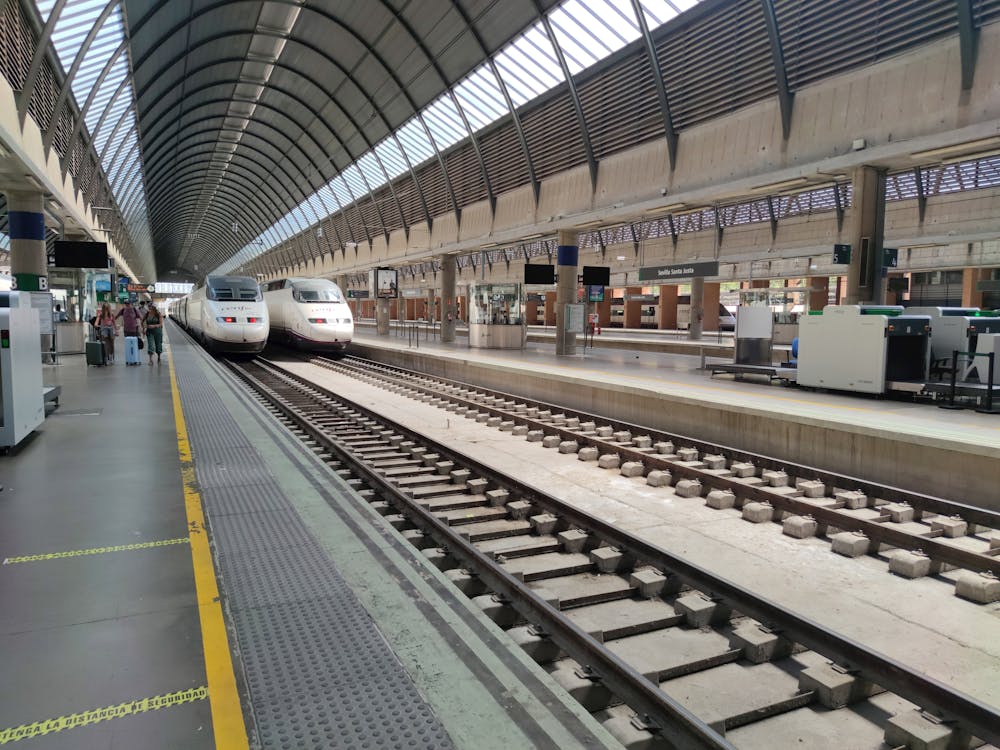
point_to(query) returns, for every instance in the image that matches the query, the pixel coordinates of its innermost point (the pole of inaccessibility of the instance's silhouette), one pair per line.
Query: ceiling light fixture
(968, 147)
(781, 185)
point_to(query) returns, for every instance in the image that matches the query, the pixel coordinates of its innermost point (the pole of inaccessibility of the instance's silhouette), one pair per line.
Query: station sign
(139, 288)
(357, 294)
(679, 271)
(890, 257)
(842, 255)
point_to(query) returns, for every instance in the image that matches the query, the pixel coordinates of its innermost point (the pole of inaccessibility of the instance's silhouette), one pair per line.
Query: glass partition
(496, 316)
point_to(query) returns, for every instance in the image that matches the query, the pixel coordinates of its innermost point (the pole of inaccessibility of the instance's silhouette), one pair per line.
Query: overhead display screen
(72, 254)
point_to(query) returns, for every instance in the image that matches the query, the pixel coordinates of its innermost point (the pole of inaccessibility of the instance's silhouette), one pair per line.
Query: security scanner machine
(957, 329)
(22, 408)
(864, 348)
(754, 343)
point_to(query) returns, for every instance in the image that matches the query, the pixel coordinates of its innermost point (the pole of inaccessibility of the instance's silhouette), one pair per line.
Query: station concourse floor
(325, 630)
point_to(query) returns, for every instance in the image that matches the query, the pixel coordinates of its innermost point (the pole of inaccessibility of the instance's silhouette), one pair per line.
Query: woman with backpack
(154, 332)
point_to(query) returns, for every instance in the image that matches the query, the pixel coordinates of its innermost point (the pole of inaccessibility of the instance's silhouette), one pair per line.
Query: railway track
(665, 653)
(919, 534)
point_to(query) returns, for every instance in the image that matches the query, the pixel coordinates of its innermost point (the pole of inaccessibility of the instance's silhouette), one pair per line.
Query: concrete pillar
(531, 311)
(604, 309)
(449, 306)
(697, 308)
(26, 228)
(382, 317)
(550, 308)
(820, 292)
(864, 275)
(633, 308)
(668, 308)
(431, 311)
(341, 281)
(971, 297)
(568, 260)
(710, 321)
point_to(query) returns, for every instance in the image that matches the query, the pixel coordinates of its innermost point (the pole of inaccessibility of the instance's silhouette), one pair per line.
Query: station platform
(180, 572)
(907, 444)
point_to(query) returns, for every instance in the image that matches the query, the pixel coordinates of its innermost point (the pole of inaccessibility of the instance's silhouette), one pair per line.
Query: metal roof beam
(968, 38)
(661, 88)
(785, 97)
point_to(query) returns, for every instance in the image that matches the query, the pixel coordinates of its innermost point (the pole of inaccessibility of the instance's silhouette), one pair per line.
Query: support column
(697, 308)
(972, 297)
(550, 308)
(431, 312)
(449, 305)
(568, 259)
(710, 320)
(668, 308)
(633, 308)
(26, 227)
(864, 275)
(819, 292)
(382, 316)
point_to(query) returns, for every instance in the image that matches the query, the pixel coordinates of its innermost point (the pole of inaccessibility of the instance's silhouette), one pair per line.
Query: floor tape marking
(72, 721)
(94, 551)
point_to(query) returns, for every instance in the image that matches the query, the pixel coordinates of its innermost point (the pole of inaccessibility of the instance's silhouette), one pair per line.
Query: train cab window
(317, 292)
(230, 288)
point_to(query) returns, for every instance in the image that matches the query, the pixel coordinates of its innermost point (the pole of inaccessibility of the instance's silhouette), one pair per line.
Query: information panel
(679, 271)
(575, 318)
(42, 301)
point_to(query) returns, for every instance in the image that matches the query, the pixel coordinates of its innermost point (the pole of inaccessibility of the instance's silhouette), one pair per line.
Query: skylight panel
(481, 98)
(529, 65)
(391, 157)
(414, 141)
(445, 122)
(356, 183)
(368, 164)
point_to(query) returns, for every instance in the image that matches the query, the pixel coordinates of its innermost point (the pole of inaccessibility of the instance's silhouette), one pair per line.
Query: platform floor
(339, 635)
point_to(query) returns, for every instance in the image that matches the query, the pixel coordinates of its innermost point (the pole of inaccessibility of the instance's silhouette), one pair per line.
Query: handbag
(139, 339)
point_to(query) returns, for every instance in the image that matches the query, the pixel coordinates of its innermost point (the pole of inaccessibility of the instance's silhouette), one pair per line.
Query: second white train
(309, 314)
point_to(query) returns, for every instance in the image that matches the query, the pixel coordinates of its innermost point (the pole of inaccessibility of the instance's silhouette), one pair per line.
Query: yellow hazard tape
(61, 723)
(94, 551)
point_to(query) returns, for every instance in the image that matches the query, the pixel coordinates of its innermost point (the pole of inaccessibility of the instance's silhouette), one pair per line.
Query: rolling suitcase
(95, 353)
(131, 350)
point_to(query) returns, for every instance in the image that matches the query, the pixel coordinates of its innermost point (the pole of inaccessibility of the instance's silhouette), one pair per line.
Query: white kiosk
(22, 405)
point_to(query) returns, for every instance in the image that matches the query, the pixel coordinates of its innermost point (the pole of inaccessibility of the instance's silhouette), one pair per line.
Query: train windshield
(231, 288)
(317, 293)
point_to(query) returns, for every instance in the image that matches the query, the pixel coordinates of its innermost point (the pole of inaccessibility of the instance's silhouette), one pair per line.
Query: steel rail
(919, 501)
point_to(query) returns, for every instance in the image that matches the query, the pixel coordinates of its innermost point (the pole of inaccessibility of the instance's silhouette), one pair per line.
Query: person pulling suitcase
(130, 326)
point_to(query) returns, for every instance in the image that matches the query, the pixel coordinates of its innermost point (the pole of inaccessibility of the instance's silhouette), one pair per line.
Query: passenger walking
(130, 319)
(106, 326)
(154, 332)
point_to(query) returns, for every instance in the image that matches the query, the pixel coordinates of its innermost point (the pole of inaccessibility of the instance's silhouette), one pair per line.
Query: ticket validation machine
(864, 348)
(22, 408)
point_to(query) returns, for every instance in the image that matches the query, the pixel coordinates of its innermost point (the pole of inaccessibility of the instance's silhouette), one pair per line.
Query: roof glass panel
(414, 141)
(480, 97)
(369, 166)
(391, 157)
(445, 122)
(529, 65)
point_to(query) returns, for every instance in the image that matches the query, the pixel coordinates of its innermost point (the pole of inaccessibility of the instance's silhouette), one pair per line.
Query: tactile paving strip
(318, 671)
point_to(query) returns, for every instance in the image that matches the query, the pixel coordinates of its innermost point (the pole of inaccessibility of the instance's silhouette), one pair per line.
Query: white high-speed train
(226, 314)
(309, 314)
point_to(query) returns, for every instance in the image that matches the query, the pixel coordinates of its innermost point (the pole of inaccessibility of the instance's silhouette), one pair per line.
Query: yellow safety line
(227, 716)
(60, 723)
(94, 551)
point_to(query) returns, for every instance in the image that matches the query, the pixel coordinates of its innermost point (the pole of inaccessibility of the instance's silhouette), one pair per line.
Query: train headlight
(253, 320)
(317, 320)
(226, 319)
